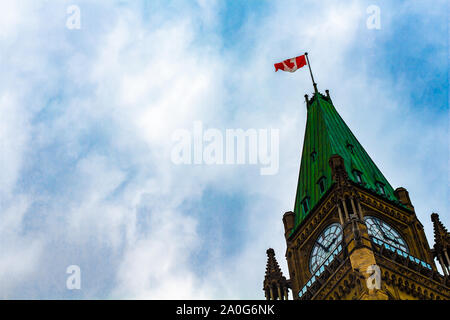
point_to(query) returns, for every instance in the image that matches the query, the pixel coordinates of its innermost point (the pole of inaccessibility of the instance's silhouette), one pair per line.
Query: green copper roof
(327, 134)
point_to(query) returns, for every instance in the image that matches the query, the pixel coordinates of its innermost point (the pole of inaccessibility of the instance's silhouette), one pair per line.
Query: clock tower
(351, 235)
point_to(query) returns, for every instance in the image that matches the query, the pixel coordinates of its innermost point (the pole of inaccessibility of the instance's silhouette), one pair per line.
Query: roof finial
(441, 246)
(275, 284)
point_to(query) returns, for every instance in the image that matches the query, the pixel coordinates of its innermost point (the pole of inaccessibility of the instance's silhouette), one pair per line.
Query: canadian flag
(291, 65)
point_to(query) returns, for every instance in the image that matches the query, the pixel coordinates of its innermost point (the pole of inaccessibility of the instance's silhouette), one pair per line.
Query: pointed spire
(441, 249)
(441, 235)
(327, 134)
(275, 284)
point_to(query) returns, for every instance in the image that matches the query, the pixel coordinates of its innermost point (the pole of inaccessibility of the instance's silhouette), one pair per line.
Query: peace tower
(351, 235)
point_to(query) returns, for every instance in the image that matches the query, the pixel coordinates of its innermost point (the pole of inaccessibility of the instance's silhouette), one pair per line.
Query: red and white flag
(291, 65)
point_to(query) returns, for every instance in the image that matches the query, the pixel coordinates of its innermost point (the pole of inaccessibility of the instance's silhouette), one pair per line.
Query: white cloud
(105, 103)
(13, 138)
(19, 256)
(156, 265)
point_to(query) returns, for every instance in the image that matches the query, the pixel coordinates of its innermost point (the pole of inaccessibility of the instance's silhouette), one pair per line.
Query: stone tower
(351, 235)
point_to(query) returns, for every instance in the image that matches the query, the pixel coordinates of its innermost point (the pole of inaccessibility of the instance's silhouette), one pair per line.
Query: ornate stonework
(363, 236)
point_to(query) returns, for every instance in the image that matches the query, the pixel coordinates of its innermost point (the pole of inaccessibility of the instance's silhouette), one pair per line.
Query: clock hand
(385, 236)
(324, 248)
(328, 247)
(381, 229)
(390, 239)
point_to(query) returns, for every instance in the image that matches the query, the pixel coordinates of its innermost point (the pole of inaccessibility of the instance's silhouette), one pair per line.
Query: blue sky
(87, 118)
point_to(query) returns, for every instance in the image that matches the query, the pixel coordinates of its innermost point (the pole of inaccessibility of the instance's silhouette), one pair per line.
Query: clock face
(325, 244)
(381, 230)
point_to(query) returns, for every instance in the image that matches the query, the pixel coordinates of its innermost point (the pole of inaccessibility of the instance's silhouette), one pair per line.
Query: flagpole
(312, 77)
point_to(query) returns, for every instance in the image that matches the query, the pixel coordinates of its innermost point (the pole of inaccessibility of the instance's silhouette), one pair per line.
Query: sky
(88, 112)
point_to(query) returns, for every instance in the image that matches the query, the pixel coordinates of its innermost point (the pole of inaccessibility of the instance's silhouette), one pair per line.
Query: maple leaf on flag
(291, 65)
